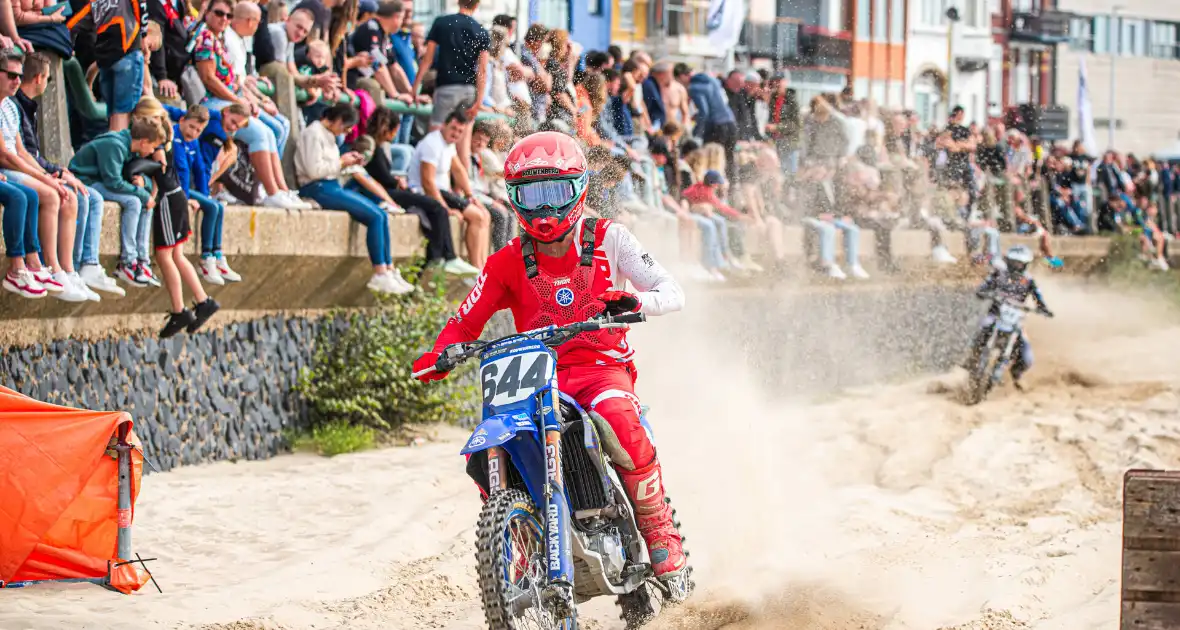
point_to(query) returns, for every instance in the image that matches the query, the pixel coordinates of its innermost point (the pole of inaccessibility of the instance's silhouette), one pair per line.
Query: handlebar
(455, 354)
(1016, 305)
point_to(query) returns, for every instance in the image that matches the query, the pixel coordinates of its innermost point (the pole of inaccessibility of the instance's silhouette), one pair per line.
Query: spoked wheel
(980, 381)
(641, 606)
(511, 555)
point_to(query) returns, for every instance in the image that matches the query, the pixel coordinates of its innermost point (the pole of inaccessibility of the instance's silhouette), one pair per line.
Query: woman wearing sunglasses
(566, 269)
(265, 136)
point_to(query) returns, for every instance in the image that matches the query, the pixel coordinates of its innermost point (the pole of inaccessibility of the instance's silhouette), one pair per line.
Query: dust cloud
(825, 474)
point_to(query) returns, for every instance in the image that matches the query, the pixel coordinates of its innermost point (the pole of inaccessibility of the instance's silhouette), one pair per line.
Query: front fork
(558, 553)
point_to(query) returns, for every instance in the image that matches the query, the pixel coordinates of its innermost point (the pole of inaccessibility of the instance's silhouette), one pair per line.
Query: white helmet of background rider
(1017, 259)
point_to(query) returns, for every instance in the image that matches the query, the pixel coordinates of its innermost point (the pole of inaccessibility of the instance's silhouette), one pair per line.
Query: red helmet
(546, 177)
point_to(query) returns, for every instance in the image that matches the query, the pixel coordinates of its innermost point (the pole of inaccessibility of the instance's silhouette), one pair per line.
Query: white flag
(724, 24)
(1086, 131)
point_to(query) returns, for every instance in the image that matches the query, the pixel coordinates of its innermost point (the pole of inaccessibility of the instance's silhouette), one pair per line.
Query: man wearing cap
(715, 121)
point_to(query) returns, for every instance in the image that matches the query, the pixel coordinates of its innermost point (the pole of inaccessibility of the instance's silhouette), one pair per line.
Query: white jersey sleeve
(658, 291)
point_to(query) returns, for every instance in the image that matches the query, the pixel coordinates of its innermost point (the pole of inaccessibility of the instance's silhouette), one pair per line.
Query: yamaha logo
(564, 296)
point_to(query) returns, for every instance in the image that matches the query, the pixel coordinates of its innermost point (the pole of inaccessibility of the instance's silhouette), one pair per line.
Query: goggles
(551, 193)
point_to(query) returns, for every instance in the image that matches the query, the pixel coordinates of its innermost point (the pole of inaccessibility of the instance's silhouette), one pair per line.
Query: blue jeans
(258, 134)
(332, 196)
(121, 84)
(21, 207)
(212, 218)
(89, 228)
(405, 130)
(1071, 213)
(827, 240)
(989, 234)
(712, 254)
(137, 220)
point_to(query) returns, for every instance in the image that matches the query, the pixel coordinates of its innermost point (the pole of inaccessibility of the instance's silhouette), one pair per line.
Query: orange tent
(59, 494)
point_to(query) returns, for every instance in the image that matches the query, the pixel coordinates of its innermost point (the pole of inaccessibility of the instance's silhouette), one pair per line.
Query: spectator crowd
(348, 105)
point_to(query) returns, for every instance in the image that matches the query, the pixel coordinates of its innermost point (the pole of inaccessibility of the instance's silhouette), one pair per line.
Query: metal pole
(123, 448)
(950, 64)
(1110, 117)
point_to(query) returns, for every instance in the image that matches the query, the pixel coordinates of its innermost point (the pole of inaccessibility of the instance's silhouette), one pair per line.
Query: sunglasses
(220, 13)
(14, 76)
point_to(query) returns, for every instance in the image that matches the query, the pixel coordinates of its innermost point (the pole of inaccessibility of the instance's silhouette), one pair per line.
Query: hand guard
(1046, 312)
(619, 302)
(428, 360)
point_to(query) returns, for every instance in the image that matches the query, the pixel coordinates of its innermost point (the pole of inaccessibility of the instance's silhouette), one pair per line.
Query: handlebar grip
(424, 372)
(629, 318)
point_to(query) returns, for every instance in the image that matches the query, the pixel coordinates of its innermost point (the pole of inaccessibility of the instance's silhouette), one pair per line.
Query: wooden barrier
(1151, 550)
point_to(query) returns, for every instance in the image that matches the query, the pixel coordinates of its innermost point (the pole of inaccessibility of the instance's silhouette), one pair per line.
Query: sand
(885, 507)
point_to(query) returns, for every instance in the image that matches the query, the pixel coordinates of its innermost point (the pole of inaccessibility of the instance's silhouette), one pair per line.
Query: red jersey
(564, 291)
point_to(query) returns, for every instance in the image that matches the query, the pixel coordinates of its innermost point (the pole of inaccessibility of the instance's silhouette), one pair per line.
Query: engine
(608, 545)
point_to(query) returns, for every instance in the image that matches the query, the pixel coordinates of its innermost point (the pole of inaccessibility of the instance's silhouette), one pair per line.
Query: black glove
(619, 302)
(1046, 312)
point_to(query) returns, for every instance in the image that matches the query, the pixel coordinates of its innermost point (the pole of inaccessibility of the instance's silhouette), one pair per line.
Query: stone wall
(217, 395)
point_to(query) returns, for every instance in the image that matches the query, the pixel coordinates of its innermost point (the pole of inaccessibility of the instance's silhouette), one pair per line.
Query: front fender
(496, 430)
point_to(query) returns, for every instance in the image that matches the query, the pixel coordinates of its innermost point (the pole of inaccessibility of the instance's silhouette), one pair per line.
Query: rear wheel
(979, 382)
(511, 556)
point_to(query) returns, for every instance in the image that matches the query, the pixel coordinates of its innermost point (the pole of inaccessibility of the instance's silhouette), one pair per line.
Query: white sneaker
(81, 284)
(226, 198)
(388, 283)
(209, 271)
(296, 200)
(859, 272)
(96, 278)
(227, 274)
(942, 255)
(718, 276)
(69, 292)
(24, 284)
(392, 209)
(396, 274)
(46, 279)
(834, 271)
(460, 267)
(1160, 264)
(749, 263)
(279, 200)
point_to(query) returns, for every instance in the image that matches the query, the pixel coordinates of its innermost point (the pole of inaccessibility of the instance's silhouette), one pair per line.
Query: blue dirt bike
(557, 528)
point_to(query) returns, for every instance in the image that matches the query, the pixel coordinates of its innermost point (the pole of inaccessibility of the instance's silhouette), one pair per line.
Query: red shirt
(702, 193)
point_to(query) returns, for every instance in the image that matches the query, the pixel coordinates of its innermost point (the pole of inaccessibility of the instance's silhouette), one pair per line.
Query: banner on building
(724, 24)
(1086, 130)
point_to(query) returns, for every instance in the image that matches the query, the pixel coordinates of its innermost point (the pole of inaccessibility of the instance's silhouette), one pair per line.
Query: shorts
(122, 83)
(449, 98)
(170, 220)
(15, 177)
(454, 202)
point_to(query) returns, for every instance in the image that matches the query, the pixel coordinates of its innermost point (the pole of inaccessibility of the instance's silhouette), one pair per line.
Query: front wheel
(511, 556)
(979, 382)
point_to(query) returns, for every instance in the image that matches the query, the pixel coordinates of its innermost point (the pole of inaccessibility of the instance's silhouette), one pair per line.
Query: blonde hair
(714, 156)
(148, 108)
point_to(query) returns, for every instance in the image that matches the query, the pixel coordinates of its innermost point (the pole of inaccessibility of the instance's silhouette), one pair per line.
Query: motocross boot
(653, 515)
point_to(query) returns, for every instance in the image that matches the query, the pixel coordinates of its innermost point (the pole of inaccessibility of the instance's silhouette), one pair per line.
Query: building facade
(1141, 43)
(879, 50)
(961, 52)
(810, 38)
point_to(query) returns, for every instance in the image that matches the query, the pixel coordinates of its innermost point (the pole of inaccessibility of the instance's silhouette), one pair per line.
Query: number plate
(1009, 317)
(515, 378)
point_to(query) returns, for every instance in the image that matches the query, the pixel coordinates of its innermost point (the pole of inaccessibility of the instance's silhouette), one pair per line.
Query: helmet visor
(534, 196)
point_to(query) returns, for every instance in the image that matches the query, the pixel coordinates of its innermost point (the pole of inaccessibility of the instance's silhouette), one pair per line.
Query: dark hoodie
(101, 161)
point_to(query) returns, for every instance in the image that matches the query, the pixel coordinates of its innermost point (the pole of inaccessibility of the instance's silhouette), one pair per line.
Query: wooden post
(1151, 550)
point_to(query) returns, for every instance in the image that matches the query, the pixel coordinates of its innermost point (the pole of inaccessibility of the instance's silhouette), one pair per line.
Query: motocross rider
(1010, 281)
(566, 269)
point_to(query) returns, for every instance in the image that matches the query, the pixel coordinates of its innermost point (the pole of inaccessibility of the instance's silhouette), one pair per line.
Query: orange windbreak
(59, 491)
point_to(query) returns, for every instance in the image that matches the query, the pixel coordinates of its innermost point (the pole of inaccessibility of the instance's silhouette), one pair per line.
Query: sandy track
(885, 507)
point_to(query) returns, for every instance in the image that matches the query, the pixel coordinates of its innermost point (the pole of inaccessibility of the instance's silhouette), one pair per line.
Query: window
(995, 81)
(932, 12)
(1021, 79)
(862, 19)
(1022, 6)
(970, 14)
(556, 13)
(880, 20)
(897, 21)
(1163, 40)
(1081, 33)
(594, 7)
(1133, 38)
(626, 15)
(1102, 35)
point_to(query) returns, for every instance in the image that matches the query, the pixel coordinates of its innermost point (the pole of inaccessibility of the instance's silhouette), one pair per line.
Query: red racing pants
(609, 390)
